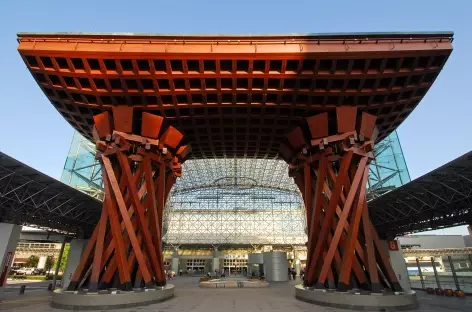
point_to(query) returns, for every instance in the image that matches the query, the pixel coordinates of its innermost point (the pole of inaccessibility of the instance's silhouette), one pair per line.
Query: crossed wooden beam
(329, 159)
(125, 249)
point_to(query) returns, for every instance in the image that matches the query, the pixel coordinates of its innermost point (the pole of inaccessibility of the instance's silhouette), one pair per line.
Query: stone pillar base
(110, 299)
(358, 300)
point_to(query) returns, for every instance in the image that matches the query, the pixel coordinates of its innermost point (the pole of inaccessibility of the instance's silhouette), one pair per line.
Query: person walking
(180, 272)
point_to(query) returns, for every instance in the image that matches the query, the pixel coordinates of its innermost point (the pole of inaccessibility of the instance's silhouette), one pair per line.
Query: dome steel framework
(235, 201)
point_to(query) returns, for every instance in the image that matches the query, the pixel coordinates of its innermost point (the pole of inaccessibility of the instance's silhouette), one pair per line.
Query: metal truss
(31, 198)
(235, 201)
(439, 199)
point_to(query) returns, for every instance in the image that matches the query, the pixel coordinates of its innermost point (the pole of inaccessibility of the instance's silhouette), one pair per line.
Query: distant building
(24, 250)
(429, 249)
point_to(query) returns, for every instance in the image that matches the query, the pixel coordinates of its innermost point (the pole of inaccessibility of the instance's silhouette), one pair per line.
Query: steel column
(420, 273)
(58, 266)
(454, 275)
(435, 273)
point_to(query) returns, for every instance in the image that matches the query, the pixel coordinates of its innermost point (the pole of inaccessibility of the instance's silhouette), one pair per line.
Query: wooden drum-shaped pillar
(329, 160)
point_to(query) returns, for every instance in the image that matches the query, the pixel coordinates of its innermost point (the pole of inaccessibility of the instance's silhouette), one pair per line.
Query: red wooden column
(331, 167)
(138, 173)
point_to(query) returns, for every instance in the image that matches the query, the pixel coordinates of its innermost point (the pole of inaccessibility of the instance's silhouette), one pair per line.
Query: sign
(6, 265)
(235, 256)
(393, 245)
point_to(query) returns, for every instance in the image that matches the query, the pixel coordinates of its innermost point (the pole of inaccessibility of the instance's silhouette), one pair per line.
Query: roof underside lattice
(235, 96)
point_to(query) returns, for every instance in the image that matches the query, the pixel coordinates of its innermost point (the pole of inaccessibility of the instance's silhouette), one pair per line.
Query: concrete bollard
(22, 289)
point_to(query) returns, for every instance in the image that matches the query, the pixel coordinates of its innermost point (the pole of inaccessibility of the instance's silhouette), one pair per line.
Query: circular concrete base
(109, 299)
(233, 283)
(358, 301)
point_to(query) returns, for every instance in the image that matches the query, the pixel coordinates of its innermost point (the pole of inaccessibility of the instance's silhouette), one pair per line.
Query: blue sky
(32, 131)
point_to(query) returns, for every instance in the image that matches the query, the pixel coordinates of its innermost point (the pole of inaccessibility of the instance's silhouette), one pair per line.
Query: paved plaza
(189, 297)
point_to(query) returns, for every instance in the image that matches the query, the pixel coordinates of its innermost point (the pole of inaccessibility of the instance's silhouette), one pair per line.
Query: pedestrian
(216, 272)
(180, 272)
(294, 273)
(289, 273)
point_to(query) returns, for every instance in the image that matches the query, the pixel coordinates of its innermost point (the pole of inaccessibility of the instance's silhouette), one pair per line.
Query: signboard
(235, 256)
(6, 265)
(393, 245)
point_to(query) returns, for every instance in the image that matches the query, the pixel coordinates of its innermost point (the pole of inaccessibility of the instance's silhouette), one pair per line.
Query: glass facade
(235, 201)
(81, 170)
(389, 169)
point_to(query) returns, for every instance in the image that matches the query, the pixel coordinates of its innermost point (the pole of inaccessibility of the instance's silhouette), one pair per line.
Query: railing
(455, 273)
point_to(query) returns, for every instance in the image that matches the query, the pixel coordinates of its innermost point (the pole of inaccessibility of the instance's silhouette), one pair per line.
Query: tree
(32, 261)
(49, 262)
(65, 255)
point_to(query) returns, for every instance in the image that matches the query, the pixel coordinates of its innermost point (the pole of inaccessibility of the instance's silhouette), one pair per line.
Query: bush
(18, 277)
(51, 277)
(42, 277)
(36, 277)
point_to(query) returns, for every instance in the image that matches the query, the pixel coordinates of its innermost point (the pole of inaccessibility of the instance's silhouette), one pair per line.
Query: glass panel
(81, 170)
(389, 169)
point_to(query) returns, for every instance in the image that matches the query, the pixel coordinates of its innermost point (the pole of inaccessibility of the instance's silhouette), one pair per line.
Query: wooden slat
(342, 219)
(296, 138)
(97, 258)
(384, 260)
(308, 195)
(184, 151)
(125, 277)
(346, 118)
(124, 215)
(151, 125)
(171, 137)
(160, 192)
(318, 125)
(123, 118)
(367, 125)
(144, 227)
(80, 270)
(153, 218)
(349, 247)
(370, 262)
(103, 124)
(340, 181)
